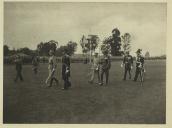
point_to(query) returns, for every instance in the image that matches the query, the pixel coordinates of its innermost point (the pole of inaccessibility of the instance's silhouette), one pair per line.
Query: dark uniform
(66, 71)
(35, 63)
(128, 63)
(105, 65)
(139, 66)
(18, 62)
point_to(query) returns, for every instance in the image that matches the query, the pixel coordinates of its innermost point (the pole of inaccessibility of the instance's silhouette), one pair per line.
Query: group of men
(52, 69)
(99, 68)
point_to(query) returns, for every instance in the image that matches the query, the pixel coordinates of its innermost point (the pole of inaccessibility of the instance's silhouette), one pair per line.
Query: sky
(28, 23)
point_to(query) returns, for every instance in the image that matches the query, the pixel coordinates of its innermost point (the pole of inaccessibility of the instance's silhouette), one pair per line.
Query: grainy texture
(118, 102)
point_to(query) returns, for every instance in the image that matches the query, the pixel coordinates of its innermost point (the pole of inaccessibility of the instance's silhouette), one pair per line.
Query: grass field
(119, 102)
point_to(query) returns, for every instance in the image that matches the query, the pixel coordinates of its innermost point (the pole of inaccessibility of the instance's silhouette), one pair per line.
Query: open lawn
(119, 102)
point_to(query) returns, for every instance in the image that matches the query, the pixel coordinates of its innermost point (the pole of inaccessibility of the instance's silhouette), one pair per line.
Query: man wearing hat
(35, 64)
(18, 62)
(52, 64)
(105, 65)
(95, 68)
(139, 64)
(66, 70)
(128, 64)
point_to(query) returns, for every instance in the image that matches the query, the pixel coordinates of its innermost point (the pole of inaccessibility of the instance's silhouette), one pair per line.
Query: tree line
(43, 49)
(115, 44)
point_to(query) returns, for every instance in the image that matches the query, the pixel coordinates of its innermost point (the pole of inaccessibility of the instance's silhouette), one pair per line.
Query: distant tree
(84, 44)
(26, 51)
(53, 44)
(116, 43)
(106, 47)
(6, 50)
(60, 50)
(126, 39)
(147, 54)
(89, 44)
(44, 48)
(71, 47)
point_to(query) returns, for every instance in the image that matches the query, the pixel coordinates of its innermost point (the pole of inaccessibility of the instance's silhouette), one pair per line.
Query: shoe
(100, 84)
(64, 88)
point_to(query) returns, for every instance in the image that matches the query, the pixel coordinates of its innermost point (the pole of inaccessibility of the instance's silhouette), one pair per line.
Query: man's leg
(141, 75)
(49, 76)
(68, 82)
(129, 71)
(125, 73)
(20, 76)
(107, 76)
(65, 82)
(51, 82)
(98, 75)
(101, 77)
(92, 76)
(136, 74)
(56, 80)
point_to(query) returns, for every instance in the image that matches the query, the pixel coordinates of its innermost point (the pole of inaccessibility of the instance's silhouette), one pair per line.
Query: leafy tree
(147, 54)
(84, 43)
(25, 50)
(106, 47)
(126, 39)
(44, 48)
(112, 43)
(71, 47)
(89, 44)
(6, 50)
(116, 43)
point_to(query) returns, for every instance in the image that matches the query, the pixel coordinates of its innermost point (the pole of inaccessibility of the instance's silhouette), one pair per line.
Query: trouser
(35, 69)
(19, 75)
(51, 77)
(67, 83)
(106, 72)
(93, 73)
(138, 72)
(127, 69)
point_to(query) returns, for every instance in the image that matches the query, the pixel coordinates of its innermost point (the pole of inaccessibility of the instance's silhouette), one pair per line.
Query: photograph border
(168, 73)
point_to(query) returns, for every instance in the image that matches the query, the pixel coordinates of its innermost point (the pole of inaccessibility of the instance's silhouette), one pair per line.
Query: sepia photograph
(84, 62)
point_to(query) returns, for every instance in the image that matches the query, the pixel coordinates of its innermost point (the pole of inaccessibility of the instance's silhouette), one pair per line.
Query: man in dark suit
(18, 62)
(139, 64)
(128, 64)
(66, 70)
(105, 65)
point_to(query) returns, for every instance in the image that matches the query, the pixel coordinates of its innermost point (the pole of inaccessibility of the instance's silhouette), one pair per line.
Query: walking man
(139, 64)
(35, 64)
(128, 64)
(52, 67)
(18, 62)
(95, 68)
(66, 70)
(105, 65)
